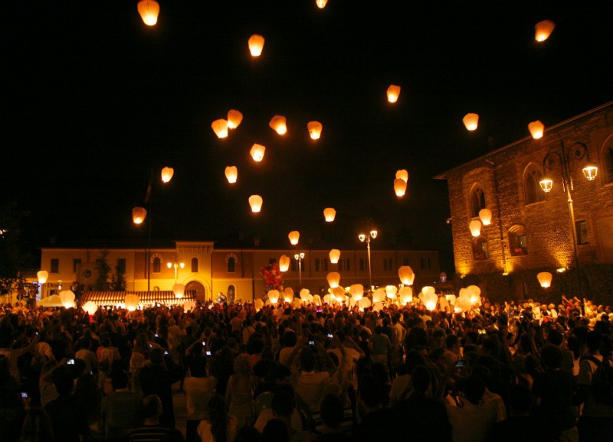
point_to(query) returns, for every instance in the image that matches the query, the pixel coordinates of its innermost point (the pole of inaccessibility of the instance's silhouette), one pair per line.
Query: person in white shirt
(199, 390)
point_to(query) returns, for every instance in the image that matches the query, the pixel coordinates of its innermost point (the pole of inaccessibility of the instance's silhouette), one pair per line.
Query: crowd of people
(512, 372)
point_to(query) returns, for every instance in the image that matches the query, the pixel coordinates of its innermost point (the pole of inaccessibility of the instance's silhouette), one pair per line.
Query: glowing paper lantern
(138, 215)
(474, 294)
(51, 301)
(284, 263)
(167, 173)
(334, 254)
(536, 129)
(288, 294)
(475, 227)
(544, 279)
(278, 124)
(393, 92)
(400, 187)
(402, 174)
(390, 291)
(314, 128)
(131, 302)
(379, 295)
(178, 290)
(273, 296)
(485, 215)
(234, 118)
(90, 308)
(471, 121)
(405, 295)
(256, 44)
(428, 297)
(67, 298)
(231, 174)
(258, 304)
(329, 214)
(256, 201)
(338, 292)
(294, 237)
(257, 152)
(357, 291)
(321, 3)
(316, 300)
(149, 11)
(543, 29)
(406, 275)
(42, 276)
(334, 278)
(220, 127)
(364, 303)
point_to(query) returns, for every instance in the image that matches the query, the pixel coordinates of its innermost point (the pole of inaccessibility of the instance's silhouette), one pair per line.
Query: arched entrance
(198, 288)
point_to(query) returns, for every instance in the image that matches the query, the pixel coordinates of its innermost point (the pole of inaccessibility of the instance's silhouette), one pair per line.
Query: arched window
(479, 248)
(517, 240)
(532, 189)
(477, 201)
(194, 265)
(231, 264)
(607, 159)
(156, 265)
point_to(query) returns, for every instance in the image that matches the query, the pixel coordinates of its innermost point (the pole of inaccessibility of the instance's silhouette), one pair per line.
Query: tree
(118, 284)
(102, 272)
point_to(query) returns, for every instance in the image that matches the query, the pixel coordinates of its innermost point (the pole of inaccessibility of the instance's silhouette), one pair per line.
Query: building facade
(209, 271)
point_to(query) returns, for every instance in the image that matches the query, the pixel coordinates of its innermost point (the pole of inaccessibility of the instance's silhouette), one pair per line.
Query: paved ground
(178, 399)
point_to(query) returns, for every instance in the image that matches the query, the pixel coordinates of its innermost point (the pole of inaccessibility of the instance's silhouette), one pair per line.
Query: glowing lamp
(294, 237)
(167, 173)
(284, 263)
(390, 291)
(544, 279)
(546, 184)
(288, 294)
(357, 291)
(220, 127)
(67, 298)
(334, 254)
(405, 295)
(329, 214)
(471, 121)
(379, 295)
(273, 296)
(138, 215)
(234, 118)
(536, 129)
(334, 278)
(485, 215)
(257, 152)
(278, 123)
(178, 290)
(475, 227)
(131, 302)
(543, 29)
(474, 294)
(428, 297)
(314, 128)
(256, 201)
(406, 275)
(400, 187)
(231, 174)
(321, 3)
(590, 171)
(393, 92)
(402, 174)
(90, 308)
(42, 276)
(148, 11)
(256, 44)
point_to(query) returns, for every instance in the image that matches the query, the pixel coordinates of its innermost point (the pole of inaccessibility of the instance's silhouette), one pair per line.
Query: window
(517, 240)
(607, 157)
(429, 264)
(76, 263)
(121, 265)
(156, 265)
(387, 264)
(479, 248)
(348, 264)
(317, 264)
(55, 265)
(477, 198)
(581, 227)
(325, 263)
(361, 264)
(405, 260)
(231, 264)
(532, 189)
(422, 264)
(194, 265)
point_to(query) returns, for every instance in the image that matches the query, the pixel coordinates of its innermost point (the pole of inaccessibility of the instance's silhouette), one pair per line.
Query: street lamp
(363, 237)
(299, 257)
(176, 265)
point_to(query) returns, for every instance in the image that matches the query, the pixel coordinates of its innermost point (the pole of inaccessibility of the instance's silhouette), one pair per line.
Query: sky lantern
(90, 308)
(256, 44)
(234, 118)
(402, 174)
(400, 187)
(288, 294)
(314, 128)
(429, 297)
(278, 123)
(294, 237)
(334, 279)
(321, 3)
(485, 215)
(256, 201)
(138, 215)
(475, 227)
(167, 173)
(543, 29)
(257, 152)
(42, 276)
(329, 214)
(149, 11)
(544, 279)
(178, 290)
(405, 295)
(357, 291)
(471, 121)
(231, 174)
(379, 295)
(273, 296)
(220, 127)
(364, 303)
(335, 254)
(393, 92)
(67, 298)
(390, 291)
(284, 263)
(474, 294)
(406, 275)
(131, 302)
(536, 129)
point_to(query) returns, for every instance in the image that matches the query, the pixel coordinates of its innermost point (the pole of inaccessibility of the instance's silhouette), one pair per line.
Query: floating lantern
(402, 174)
(90, 308)
(284, 263)
(256, 44)
(536, 129)
(379, 295)
(475, 227)
(543, 29)
(257, 152)
(364, 303)
(278, 124)
(471, 121)
(335, 254)
(390, 291)
(544, 279)
(357, 291)
(294, 237)
(405, 295)
(131, 302)
(220, 127)
(590, 172)
(329, 214)
(167, 173)
(400, 187)
(334, 278)
(273, 296)
(546, 184)
(149, 11)
(231, 174)
(314, 128)
(42, 276)
(393, 92)
(178, 290)
(485, 215)
(67, 298)
(474, 294)
(321, 3)
(288, 294)
(138, 215)
(406, 275)
(429, 297)
(255, 201)
(234, 118)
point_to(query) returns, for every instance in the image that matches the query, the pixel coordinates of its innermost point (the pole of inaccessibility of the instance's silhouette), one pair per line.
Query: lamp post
(363, 237)
(564, 156)
(176, 265)
(299, 257)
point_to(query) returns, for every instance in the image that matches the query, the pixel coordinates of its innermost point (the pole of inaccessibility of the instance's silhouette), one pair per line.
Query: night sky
(94, 101)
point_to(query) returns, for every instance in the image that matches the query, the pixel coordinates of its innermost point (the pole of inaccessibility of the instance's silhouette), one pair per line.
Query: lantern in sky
(357, 291)
(429, 297)
(475, 227)
(67, 299)
(406, 275)
(257, 152)
(42, 276)
(543, 29)
(278, 123)
(485, 215)
(138, 215)
(234, 118)
(471, 121)
(393, 92)
(405, 295)
(314, 128)
(474, 294)
(334, 278)
(220, 127)
(379, 295)
(329, 214)
(364, 303)
(536, 129)
(149, 11)
(273, 296)
(167, 173)
(294, 237)
(256, 44)
(90, 308)
(255, 201)
(321, 3)
(402, 174)
(288, 294)
(335, 254)
(400, 187)
(284, 263)
(390, 291)
(544, 279)
(231, 174)
(131, 302)
(178, 290)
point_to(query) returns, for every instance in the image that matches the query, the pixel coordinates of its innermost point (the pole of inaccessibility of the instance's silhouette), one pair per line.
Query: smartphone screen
(24, 395)
(70, 362)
